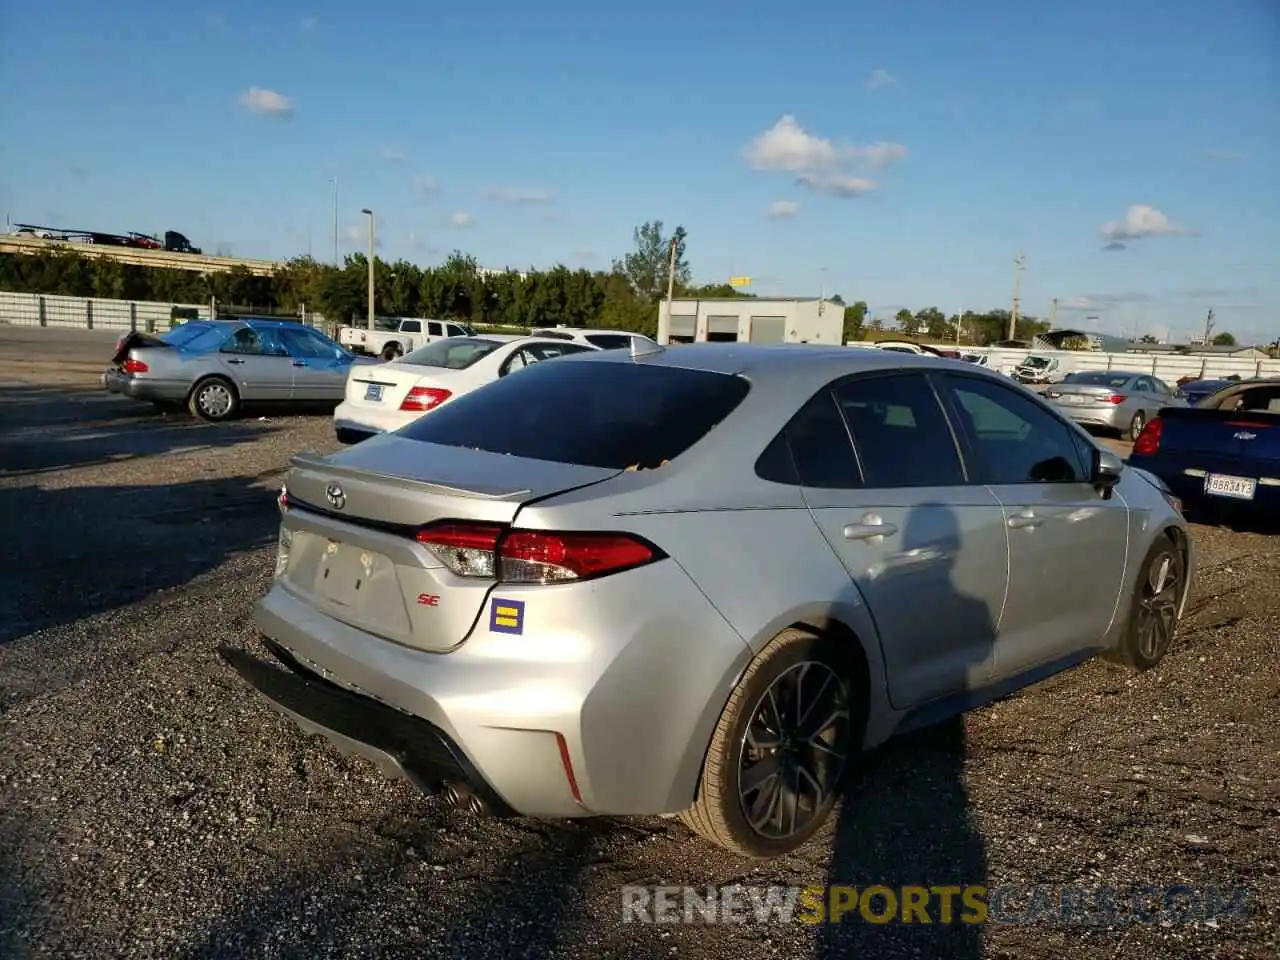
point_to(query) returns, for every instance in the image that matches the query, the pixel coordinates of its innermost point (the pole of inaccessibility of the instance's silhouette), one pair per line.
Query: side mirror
(1107, 468)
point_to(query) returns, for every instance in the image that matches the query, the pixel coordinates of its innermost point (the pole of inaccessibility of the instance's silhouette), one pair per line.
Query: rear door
(257, 362)
(927, 550)
(1067, 545)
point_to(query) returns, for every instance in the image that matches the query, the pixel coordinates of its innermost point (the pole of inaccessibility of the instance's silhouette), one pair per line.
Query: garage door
(768, 329)
(684, 326)
(723, 325)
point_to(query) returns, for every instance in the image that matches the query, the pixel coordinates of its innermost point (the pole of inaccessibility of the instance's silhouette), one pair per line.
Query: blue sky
(899, 153)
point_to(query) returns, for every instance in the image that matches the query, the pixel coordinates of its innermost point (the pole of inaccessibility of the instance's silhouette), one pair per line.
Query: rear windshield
(591, 414)
(455, 353)
(1099, 378)
(187, 331)
(609, 341)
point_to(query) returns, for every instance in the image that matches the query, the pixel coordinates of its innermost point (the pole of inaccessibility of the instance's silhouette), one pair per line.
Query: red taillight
(282, 499)
(421, 399)
(134, 366)
(1116, 398)
(1148, 441)
(533, 556)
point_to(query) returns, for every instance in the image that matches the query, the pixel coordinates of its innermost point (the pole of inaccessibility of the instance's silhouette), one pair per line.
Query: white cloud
(394, 155)
(820, 164)
(881, 78)
(462, 220)
(788, 146)
(425, 186)
(782, 210)
(517, 195)
(310, 24)
(836, 185)
(357, 235)
(1223, 156)
(1141, 221)
(266, 102)
(880, 155)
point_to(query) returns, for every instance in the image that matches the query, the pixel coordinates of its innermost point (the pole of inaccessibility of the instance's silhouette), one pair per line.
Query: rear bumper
(601, 693)
(1109, 417)
(349, 432)
(1185, 477)
(399, 744)
(113, 381)
(369, 421)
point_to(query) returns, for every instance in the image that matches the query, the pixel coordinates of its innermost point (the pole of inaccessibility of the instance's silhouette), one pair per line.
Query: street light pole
(334, 181)
(369, 213)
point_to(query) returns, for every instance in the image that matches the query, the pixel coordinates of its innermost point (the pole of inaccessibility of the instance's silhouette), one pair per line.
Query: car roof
(762, 361)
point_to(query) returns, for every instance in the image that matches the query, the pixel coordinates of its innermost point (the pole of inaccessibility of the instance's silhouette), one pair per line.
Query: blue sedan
(1221, 455)
(214, 366)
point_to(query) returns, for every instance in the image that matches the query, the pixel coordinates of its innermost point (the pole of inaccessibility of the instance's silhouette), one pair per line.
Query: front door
(1067, 545)
(320, 368)
(258, 364)
(926, 549)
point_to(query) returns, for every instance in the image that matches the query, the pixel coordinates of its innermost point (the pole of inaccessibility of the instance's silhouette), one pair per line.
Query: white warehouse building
(752, 320)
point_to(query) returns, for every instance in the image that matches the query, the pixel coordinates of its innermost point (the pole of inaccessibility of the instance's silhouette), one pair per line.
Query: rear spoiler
(135, 339)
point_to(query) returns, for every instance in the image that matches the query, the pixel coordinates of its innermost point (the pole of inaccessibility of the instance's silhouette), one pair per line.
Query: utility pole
(664, 320)
(1208, 326)
(1018, 261)
(369, 214)
(1053, 314)
(959, 324)
(334, 181)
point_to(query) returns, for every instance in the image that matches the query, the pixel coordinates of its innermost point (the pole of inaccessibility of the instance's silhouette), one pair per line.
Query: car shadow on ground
(905, 821)
(71, 552)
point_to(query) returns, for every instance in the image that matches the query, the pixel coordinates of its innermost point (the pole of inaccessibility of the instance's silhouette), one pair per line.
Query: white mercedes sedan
(386, 396)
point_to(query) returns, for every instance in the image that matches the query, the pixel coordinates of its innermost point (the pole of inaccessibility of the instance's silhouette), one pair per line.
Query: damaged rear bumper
(400, 745)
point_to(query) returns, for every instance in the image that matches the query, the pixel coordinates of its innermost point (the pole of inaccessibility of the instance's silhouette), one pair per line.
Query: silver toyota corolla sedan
(696, 581)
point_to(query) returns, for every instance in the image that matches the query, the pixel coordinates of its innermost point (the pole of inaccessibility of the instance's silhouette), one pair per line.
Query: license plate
(373, 392)
(1073, 398)
(344, 570)
(1240, 488)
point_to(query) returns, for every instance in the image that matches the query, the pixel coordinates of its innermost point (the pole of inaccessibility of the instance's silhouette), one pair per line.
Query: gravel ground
(151, 805)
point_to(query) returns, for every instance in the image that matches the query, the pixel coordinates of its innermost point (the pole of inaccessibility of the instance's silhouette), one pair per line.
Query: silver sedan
(1119, 400)
(698, 581)
(215, 366)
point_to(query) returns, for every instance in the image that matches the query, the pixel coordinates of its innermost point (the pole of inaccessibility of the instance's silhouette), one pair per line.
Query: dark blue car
(1221, 456)
(1198, 390)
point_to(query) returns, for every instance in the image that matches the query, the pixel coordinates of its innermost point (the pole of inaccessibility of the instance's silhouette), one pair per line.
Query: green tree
(648, 265)
(1224, 339)
(854, 317)
(907, 322)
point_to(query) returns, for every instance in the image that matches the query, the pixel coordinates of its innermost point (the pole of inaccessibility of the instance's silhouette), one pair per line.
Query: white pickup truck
(409, 335)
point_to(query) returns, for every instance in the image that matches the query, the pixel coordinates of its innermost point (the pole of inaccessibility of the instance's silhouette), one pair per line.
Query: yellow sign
(739, 281)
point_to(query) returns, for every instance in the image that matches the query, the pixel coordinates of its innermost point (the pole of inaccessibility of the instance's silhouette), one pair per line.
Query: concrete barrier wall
(90, 313)
(1167, 368)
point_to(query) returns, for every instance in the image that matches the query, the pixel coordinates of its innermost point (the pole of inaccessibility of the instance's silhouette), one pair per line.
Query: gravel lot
(150, 804)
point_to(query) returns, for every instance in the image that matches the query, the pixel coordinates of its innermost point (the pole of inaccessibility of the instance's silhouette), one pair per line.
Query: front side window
(1016, 438)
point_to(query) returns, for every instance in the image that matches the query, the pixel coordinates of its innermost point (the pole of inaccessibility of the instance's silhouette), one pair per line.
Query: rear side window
(900, 432)
(813, 450)
(610, 415)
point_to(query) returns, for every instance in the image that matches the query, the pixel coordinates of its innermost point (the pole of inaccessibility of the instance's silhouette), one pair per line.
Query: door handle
(1024, 520)
(235, 360)
(299, 363)
(870, 528)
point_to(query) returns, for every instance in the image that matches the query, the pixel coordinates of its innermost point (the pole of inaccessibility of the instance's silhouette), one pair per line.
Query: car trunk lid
(347, 541)
(1085, 394)
(128, 344)
(384, 386)
(1246, 434)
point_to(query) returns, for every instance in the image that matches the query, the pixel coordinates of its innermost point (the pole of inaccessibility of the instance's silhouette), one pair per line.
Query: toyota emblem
(336, 497)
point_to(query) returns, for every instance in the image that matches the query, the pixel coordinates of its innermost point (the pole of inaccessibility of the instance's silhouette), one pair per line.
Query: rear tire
(778, 755)
(391, 352)
(1153, 612)
(214, 399)
(1136, 424)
